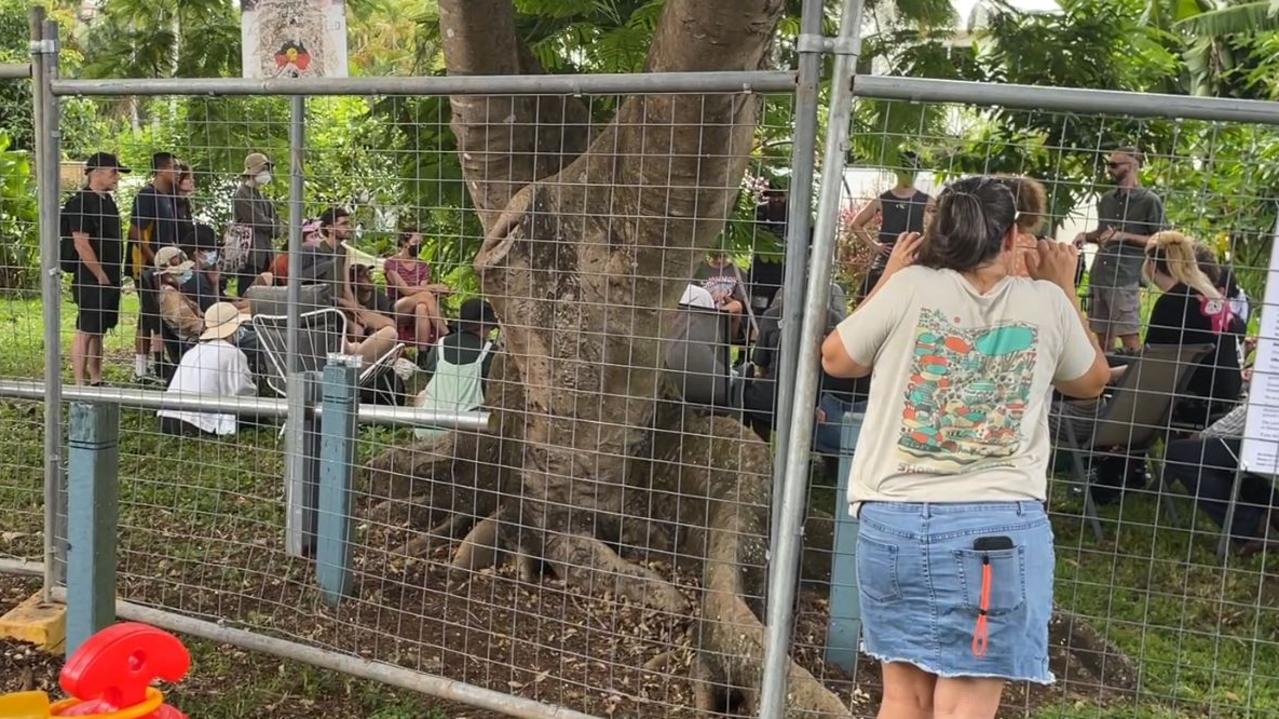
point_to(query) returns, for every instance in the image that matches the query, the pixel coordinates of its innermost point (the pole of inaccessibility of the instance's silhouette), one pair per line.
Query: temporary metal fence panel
(1159, 611)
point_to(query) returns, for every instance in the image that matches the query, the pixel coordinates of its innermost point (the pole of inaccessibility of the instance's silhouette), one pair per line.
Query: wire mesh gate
(492, 571)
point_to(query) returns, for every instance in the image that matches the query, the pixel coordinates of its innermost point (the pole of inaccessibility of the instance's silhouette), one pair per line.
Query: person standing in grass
(1127, 217)
(153, 224)
(955, 552)
(93, 254)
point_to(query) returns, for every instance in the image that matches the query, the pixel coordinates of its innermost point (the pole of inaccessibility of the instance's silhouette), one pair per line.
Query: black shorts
(99, 307)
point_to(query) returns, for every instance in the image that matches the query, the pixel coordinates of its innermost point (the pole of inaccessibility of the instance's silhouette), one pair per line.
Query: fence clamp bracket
(44, 46)
(809, 42)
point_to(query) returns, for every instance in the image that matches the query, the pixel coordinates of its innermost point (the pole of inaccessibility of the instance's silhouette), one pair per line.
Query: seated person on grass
(214, 367)
(180, 314)
(208, 286)
(1207, 465)
(459, 364)
(698, 353)
(371, 329)
(408, 282)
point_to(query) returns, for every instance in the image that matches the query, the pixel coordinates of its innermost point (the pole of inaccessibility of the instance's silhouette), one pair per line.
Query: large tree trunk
(590, 236)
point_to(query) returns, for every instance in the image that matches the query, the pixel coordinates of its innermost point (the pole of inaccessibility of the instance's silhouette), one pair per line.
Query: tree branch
(505, 142)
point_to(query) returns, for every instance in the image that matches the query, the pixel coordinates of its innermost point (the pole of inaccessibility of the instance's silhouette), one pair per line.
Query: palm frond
(1251, 17)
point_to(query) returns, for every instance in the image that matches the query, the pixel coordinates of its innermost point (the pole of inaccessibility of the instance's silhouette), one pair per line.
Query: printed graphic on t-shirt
(721, 287)
(967, 393)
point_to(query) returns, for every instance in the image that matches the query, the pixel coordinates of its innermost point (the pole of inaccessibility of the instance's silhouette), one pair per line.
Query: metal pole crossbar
(1066, 99)
(245, 406)
(619, 83)
(15, 71)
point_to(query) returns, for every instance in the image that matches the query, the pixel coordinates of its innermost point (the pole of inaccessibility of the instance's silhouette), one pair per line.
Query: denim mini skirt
(924, 572)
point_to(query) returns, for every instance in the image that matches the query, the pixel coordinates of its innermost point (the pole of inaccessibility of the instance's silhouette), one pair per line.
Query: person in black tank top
(901, 209)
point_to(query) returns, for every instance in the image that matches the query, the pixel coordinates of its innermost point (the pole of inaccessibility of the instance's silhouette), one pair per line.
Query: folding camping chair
(320, 333)
(1137, 413)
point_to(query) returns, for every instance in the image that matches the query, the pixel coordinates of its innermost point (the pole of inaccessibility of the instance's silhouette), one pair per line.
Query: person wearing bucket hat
(91, 251)
(214, 367)
(254, 217)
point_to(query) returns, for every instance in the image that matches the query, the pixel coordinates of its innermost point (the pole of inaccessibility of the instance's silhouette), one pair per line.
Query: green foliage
(15, 97)
(19, 238)
(164, 38)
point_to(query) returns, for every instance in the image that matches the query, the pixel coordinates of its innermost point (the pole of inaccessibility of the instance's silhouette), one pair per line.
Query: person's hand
(102, 278)
(1054, 262)
(904, 253)
(1107, 236)
(821, 416)
(883, 249)
(1079, 240)
(441, 290)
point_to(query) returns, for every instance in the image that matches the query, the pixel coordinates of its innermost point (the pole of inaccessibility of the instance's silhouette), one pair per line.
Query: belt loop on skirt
(928, 510)
(1021, 509)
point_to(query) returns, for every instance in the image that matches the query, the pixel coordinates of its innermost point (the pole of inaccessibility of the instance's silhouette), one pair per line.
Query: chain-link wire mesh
(20, 453)
(639, 283)
(603, 544)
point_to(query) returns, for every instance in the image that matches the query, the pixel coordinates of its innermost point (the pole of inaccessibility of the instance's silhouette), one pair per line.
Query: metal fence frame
(806, 285)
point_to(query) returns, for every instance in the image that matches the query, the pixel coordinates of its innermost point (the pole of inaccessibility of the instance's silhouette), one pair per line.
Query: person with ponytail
(1191, 310)
(1032, 207)
(955, 557)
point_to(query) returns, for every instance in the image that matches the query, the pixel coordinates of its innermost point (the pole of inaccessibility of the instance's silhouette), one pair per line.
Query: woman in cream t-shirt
(954, 556)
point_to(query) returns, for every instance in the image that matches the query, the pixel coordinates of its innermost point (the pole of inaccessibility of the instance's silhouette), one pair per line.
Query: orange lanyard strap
(981, 634)
(155, 698)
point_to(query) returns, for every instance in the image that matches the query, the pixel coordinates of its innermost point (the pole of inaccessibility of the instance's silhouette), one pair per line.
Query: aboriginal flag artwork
(967, 392)
(293, 38)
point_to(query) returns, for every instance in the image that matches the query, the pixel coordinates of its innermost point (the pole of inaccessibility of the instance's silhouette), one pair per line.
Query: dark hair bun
(973, 216)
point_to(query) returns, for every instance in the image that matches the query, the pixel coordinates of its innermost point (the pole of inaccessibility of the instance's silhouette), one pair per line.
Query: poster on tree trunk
(293, 38)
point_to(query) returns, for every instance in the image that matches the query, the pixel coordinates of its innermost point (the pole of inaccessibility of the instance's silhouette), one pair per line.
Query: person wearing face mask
(408, 281)
(180, 314)
(254, 220)
(208, 285)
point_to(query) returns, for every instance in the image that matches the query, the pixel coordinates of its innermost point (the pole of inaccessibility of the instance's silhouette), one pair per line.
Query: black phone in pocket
(991, 544)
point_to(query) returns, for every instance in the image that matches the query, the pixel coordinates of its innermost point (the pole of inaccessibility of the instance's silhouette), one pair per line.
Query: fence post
(845, 624)
(783, 570)
(300, 448)
(798, 226)
(301, 470)
(93, 509)
(44, 68)
(337, 465)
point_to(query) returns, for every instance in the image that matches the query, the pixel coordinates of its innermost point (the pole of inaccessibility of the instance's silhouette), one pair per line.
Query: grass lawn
(201, 523)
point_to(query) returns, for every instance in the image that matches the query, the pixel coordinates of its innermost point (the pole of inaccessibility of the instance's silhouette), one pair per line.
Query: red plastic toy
(110, 677)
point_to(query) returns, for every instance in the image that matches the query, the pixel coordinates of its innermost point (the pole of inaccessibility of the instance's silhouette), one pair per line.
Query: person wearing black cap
(459, 364)
(92, 253)
(153, 224)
